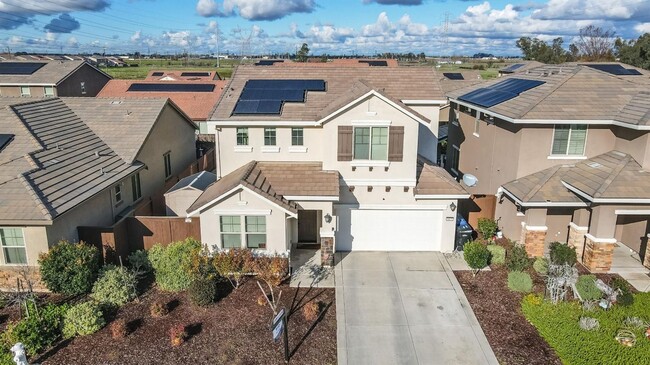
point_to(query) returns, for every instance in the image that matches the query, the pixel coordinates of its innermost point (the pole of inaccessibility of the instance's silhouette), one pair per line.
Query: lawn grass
(140, 68)
(559, 326)
(488, 73)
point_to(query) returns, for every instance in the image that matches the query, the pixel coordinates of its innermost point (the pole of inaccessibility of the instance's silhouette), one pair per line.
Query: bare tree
(596, 44)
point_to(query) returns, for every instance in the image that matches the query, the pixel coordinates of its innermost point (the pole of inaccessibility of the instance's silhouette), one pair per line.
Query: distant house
(44, 78)
(519, 67)
(70, 162)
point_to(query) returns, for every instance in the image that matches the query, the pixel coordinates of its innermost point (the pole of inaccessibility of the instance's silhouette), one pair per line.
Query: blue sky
(328, 26)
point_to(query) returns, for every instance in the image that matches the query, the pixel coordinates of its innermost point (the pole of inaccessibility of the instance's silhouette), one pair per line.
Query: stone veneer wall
(646, 256)
(8, 276)
(598, 255)
(577, 239)
(327, 251)
(533, 240)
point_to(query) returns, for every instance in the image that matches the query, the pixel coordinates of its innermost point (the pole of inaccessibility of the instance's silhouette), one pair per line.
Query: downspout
(218, 151)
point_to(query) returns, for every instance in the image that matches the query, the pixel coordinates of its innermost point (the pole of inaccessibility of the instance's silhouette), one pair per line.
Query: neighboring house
(44, 78)
(519, 67)
(183, 75)
(333, 156)
(70, 162)
(560, 154)
(336, 62)
(179, 198)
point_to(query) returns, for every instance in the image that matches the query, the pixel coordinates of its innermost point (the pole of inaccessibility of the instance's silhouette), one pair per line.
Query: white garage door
(388, 230)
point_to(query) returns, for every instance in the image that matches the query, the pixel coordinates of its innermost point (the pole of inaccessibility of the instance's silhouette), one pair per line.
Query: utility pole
(218, 59)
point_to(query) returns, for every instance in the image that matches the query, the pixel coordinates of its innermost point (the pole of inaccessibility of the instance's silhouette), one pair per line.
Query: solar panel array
(268, 96)
(195, 74)
(514, 67)
(267, 62)
(499, 92)
(157, 73)
(20, 68)
(614, 69)
(5, 139)
(196, 88)
(375, 63)
(453, 75)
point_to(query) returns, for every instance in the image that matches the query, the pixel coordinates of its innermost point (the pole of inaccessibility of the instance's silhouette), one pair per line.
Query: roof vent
(594, 165)
(101, 171)
(116, 102)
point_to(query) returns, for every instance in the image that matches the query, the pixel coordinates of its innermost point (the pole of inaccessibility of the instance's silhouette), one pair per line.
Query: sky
(337, 27)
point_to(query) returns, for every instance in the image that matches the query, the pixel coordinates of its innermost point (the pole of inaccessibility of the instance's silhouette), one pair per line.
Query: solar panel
(613, 68)
(268, 62)
(499, 92)
(244, 107)
(20, 68)
(157, 73)
(195, 74)
(453, 75)
(5, 139)
(514, 67)
(198, 88)
(297, 95)
(310, 85)
(375, 63)
(268, 96)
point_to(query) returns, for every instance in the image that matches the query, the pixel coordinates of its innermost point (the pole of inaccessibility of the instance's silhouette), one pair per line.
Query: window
(230, 231)
(371, 143)
(269, 136)
(242, 136)
(117, 194)
(168, 165)
(13, 245)
(569, 139)
(24, 91)
(83, 87)
(452, 158)
(48, 91)
(135, 186)
(297, 138)
(255, 231)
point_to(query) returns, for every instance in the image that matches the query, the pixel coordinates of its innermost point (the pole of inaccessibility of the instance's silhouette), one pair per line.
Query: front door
(308, 226)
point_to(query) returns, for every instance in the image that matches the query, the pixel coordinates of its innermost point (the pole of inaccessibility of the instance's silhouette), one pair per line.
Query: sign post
(279, 327)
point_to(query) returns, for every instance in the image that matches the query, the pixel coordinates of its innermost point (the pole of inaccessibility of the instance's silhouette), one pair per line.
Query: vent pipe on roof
(101, 171)
(96, 153)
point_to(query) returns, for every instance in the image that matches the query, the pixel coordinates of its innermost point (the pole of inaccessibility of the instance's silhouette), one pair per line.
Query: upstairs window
(569, 140)
(242, 136)
(48, 91)
(83, 87)
(371, 143)
(117, 194)
(297, 138)
(269, 137)
(13, 246)
(24, 91)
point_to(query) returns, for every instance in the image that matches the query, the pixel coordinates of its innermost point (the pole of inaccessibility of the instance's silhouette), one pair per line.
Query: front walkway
(404, 308)
(626, 263)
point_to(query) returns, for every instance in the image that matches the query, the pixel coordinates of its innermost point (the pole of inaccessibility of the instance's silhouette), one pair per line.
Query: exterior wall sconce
(452, 206)
(328, 218)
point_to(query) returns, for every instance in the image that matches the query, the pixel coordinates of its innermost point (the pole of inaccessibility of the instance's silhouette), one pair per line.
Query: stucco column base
(577, 239)
(533, 239)
(327, 251)
(599, 253)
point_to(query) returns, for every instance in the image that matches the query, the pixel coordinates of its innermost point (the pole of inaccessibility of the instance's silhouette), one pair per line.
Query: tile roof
(196, 105)
(612, 175)
(338, 62)
(527, 65)
(199, 181)
(434, 180)
(274, 181)
(51, 73)
(343, 86)
(470, 77)
(572, 91)
(176, 75)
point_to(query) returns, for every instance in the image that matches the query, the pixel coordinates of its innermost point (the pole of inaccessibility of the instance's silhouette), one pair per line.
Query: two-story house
(337, 156)
(50, 78)
(70, 162)
(559, 153)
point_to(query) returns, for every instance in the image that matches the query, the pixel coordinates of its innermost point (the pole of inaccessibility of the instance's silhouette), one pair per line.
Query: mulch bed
(235, 330)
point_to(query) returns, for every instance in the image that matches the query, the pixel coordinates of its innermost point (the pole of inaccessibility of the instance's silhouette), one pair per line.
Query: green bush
(476, 255)
(172, 264)
(6, 357)
(561, 253)
(139, 263)
(624, 297)
(587, 288)
(202, 291)
(70, 268)
(517, 259)
(559, 325)
(487, 228)
(541, 265)
(83, 319)
(497, 254)
(115, 287)
(38, 331)
(520, 282)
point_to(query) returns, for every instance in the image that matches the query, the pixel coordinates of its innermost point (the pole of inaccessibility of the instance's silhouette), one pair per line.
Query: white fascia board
(261, 123)
(600, 240)
(26, 84)
(542, 204)
(605, 200)
(380, 182)
(442, 196)
(306, 198)
(632, 212)
(258, 212)
(424, 102)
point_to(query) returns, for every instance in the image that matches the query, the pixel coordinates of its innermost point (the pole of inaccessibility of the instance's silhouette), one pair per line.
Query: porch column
(578, 227)
(327, 248)
(600, 241)
(533, 232)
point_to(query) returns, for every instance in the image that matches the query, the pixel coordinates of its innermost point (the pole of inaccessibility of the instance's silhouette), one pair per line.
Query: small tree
(476, 255)
(272, 271)
(172, 264)
(487, 227)
(233, 265)
(70, 268)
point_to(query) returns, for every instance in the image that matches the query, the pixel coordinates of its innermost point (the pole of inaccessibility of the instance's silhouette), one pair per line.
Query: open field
(144, 66)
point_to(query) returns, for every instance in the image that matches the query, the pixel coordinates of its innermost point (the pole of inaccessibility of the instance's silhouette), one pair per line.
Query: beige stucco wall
(632, 231)
(178, 201)
(509, 220)
(636, 143)
(35, 91)
(244, 203)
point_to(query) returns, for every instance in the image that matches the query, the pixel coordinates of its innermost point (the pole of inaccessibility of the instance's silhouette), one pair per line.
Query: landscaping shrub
(178, 334)
(233, 264)
(587, 288)
(517, 259)
(158, 309)
(82, 319)
(476, 255)
(70, 268)
(541, 265)
(624, 297)
(497, 254)
(6, 357)
(520, 282)
(139, 263)
(272, 270)
(262, 300)
(119, 328)
(201, 266)
(487, 228)
(202, 291)
(38, 331)
(561, 253)
(172, 264)
(115, 287)
(311, 311)
(589, 323)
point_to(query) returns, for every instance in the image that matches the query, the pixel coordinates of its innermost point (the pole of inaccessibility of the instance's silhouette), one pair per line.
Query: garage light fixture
(328, 218)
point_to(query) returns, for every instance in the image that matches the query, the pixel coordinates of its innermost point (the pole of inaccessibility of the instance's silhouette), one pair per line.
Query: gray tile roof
(199, 181)
(51, 73)
(344, 84)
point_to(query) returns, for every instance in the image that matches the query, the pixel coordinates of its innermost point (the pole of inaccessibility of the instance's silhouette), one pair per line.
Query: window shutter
(345, 143)
(395, 143)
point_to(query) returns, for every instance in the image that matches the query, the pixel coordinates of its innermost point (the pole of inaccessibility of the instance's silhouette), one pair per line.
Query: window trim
(477, 126)
(24, 247)
(245, 136)
(167, 161)
(302, 136)
(457, 155)
(275, 136)
(29, 91)
(136, 187)
(117, 192)
(246, 232)
(45, 88)
(566, 155)
(221, 232)
(370, 129)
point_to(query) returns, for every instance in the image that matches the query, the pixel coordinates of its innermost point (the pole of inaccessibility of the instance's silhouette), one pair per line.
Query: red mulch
(234, 330)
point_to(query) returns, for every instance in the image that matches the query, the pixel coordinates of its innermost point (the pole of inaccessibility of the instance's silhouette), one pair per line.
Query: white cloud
(136, 36)
(595, 9)
(255, 9)
(642, 28)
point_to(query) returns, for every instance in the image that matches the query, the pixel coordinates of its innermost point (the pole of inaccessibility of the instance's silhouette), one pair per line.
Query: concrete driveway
(404, 308)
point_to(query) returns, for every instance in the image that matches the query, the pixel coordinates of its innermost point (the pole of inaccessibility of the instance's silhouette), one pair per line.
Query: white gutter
(542, 204)
(424, 102)
(605, 200)
(442, 196)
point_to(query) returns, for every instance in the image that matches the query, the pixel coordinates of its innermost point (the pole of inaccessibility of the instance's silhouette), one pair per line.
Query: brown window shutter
(395, 143)
(345, 143)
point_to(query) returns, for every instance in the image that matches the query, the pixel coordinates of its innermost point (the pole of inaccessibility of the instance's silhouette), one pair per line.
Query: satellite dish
(470, 180)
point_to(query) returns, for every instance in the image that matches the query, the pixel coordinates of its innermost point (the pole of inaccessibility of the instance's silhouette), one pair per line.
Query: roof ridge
(612, 176)
(547, 176)
(226, 88)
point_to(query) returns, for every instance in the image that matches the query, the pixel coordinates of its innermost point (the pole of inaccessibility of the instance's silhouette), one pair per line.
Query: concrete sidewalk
(404, 308)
